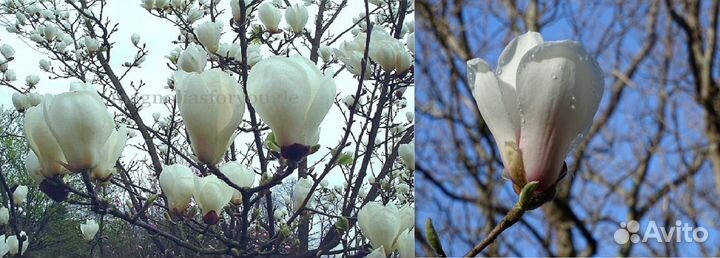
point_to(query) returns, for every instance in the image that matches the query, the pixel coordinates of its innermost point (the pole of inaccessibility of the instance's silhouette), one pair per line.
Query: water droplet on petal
(532, 56)
(554, 76)
(573, 97)
(499, 71)
(572, 106)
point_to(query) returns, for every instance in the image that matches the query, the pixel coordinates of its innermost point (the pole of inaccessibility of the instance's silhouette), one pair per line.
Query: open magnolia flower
(294, 110)
(541, 98)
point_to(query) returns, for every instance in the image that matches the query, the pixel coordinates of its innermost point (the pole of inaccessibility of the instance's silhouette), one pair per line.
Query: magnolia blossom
(110, 153)
(211, 122)
(326, 53)
(388, 52)
(270, 16)
(10, 75)
(13, 244)
(294, 110)
(91, 44)
(32, 80)
(178, 184)
(193, 59)
(89, 229)
(407, 217)
(195, 14)
(300, 192)
(351, 53)
(81, 137)
(380, 224)
(7, 51)
(20, 102)
(135, 39)
(209, 35)
(239, 174)
(4, 215)
(296, 17)
(211, 194)
(20, 194)
(236, 12)
(407, 154)
(542, 96)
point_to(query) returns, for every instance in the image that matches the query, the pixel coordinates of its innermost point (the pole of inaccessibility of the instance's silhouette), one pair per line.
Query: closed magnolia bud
(236, 12)
(193, 59)
(195, 14)
(110, 153)
(296, 17)
(211, 124)
(44, 65)
(410, 116)
(89, 229)
(407, 154)
(300, 192)
(91, 44)
(7, 51)
(4, 216)
(211, 194)
(295, 110)
(209, 35)
(81, 138)
(380, 224)
(13, 244)
(239, 174)
(20, 194)
(270, 16)
(135, 39)
(49, 31)
(178, 184)
(20, 102)
(42, 142)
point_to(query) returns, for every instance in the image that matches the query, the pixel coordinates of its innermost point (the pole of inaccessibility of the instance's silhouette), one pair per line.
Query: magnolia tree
(284, 128)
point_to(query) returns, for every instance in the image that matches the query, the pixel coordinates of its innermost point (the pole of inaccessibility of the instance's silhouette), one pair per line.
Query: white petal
(559, 90)
(489, 98)
(507, 71)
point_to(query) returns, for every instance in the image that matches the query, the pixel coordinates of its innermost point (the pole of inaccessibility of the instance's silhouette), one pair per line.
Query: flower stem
(510, 219)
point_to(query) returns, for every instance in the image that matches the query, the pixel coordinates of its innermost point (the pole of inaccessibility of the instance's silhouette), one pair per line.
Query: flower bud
(407, 154)
(20, 194)
(301, 191)
(240, 175)
(14, 245)
(4, 216)
(296, 16)
(178, 184)
(89, 229)
(193, 59)
(270, 16)
(7, 51)
(380, 224)
(135, 39)
(209, 35)
(211, 194)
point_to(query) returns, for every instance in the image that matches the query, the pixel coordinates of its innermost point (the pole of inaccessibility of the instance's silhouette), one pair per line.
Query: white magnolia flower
(407, 217)
(300, 192)
(4, 216)
(91, 44)
(21, 102)
(542, 96)
(135, 39)
(239, 174)
(81, 138)
(44, 65)
(111, 151)
(7, 51)
(193, 59)
(236, 12)
(20, 194)
(43, 143)
(89, 229)
(32, 80)
(13, 245)
(407, 154)
(148, 4)
(195, 14)
(49, 31)
(209, 35)
(10, 75)
(295, 110)
(296, 16)
(211, 122)
(410, 116)
(270, 16)
(388, 52)
(178, 184)
(380, 224)
(326, 53)
(211, 194)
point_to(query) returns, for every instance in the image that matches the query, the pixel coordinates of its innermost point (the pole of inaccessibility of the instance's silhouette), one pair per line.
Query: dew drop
(499, 71)
(532, 56)
(572, 106)
(554, 76)
(573, 97)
